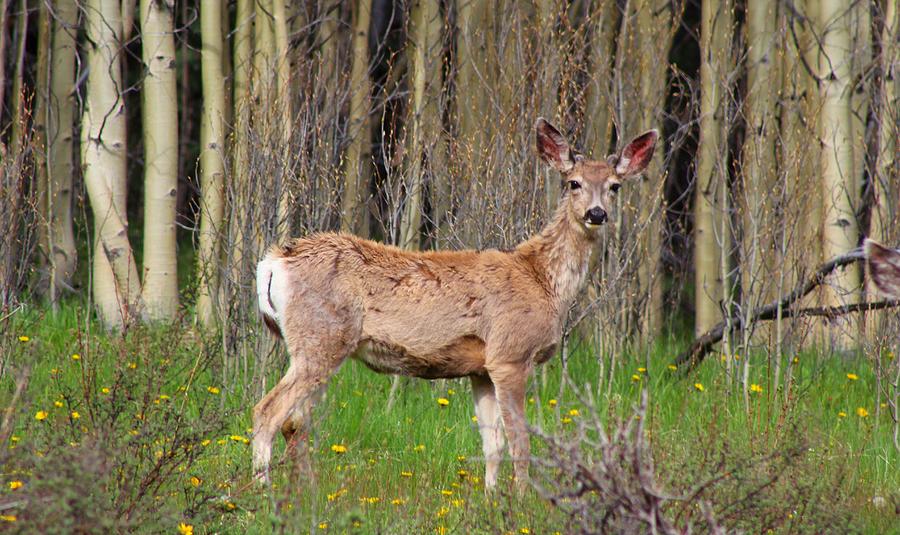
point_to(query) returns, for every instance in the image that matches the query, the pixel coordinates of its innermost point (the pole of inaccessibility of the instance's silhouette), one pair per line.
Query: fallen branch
(703, 344)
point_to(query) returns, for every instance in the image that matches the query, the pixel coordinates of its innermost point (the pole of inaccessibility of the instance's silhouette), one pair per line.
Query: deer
(488, 315)
(884, 267)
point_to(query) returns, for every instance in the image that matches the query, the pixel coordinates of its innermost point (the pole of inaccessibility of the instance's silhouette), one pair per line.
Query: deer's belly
(459, 358)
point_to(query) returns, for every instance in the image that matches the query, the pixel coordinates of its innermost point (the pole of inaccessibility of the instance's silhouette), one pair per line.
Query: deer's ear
(636, 156)
(884, 268)
(552, 146)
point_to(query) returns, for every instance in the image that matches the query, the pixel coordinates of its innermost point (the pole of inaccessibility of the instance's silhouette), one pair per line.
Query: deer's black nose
(595, 216)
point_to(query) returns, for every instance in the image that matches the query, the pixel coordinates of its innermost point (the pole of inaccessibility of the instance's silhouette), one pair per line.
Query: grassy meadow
(139, 433)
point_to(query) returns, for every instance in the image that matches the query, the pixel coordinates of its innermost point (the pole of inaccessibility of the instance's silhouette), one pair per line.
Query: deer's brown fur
(884, 267)
(489, 315)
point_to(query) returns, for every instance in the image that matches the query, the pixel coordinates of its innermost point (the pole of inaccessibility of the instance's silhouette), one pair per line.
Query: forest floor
(139, 433)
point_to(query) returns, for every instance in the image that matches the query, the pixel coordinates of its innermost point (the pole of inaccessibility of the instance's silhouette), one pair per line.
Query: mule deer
(487, 315)
(884, 268)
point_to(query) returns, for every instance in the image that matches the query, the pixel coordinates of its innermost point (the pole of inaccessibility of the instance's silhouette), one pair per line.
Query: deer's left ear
(636, 156)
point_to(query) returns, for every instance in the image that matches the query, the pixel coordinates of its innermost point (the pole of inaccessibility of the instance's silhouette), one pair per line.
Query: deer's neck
(561, 254)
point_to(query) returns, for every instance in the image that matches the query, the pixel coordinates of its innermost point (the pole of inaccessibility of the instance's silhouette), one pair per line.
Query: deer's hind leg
(315, 355)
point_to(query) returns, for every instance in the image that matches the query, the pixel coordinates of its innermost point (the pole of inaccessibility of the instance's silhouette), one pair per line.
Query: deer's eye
(615, 187)
(574, 184)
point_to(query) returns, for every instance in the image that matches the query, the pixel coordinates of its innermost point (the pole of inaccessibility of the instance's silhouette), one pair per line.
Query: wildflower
(230, 506)
(474, 419)
(8, 518)
(76, 356)
(441, 530)
(396, 501)
(195, 481)
(635, 377)
(185, 529)
(457, 502)
(13, 485)
(213, 390)
(462, 473)
(461, 458)
(566, 420)
(14, 439)
(796, 360)
(132, 366)
(75, 415)
(104, 390)
(756, 388)
(852, 376)
(57, 404)
(446, 492)
(862, 412)
(442, 511)
(525, 531)
(420, 447)
(54, 371)
(842, 414)
(443, 402)
(339, 448)
(699, 387)
(574, 412)
(672, 367)
(531, 401)
(40, 416)
(640, 370)
(24, 339)
(451, 392)
(323, 525)
(245, 440)
(370, 499)
(405, 473)
(163, 397)
(552, 402)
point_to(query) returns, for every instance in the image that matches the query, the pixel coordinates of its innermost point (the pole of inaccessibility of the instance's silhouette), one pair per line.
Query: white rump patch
(271, 287)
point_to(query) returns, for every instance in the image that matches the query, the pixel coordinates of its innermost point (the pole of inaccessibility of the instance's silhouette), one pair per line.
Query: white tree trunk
(160, 98)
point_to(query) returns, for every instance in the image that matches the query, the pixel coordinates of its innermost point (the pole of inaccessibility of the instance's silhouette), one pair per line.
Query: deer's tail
(270, 290)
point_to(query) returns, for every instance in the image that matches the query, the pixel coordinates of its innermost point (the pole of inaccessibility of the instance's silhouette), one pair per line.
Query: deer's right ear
(552, 146)
(884, 268)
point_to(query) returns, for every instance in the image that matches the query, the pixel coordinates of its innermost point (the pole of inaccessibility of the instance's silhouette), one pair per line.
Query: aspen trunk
(598, 122)
(212, 159)
(284, 107)
(60, 167)
(243, 58)
(4, 8)
(116, 287)
(839, 194)
(357, 157)
(160, 98)
(39, 129)
(711, 186)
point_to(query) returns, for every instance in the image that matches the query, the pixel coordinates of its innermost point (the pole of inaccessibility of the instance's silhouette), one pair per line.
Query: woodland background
(151, 151)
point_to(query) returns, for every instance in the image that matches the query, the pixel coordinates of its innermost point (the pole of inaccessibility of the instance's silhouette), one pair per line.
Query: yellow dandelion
(185, 529)
(672, 367)
(75, 415)
(132, 366)
(451, 392)
(442, 511)
(574, 412)
(76, 356)
(552, 402)
(8, 518)
(441, 530)
(852, 376)
(842, 414)
(635, 377)
(443, 402)
(54, 371)
(462, 473)
(756, 388)
(461, 458)
(195, 481)
(862, 412)
(525, 531)
(24, 339)
(446, 492)
(40, 415)
(239, 438)
(531, 401)
(212, 390)
(396, 501)
(323, 525)
(58, 404)
(13, 485)
(699, 387)
(640, 370)
(405, 473)
(339, 448)
(104, 390)
(230, 506)
(474, 419)
(420, 447)
(796, 360)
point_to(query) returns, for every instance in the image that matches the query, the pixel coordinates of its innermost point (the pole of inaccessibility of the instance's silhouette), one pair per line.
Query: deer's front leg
(509, 387)
(490, 427)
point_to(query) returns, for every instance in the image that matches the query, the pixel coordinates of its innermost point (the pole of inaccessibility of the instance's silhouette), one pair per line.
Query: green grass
(129, 459)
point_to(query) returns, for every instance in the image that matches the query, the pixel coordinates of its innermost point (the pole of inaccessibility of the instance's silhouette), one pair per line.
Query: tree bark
(357, 157)
(835, 131)
(710, 193)
(284, 105)
(212, 160)
(160, 121)
(116, 287)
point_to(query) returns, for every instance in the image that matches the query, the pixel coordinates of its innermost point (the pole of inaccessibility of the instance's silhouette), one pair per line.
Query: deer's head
(590, 186)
